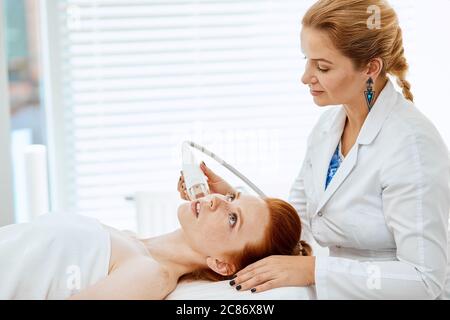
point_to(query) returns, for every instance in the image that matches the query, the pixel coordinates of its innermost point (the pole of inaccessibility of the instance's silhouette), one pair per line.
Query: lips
(194, 208)
(313, 90)
(316, 93)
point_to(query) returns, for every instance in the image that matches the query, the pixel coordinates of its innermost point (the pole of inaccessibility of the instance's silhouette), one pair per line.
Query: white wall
(6, 194)
(429, 62)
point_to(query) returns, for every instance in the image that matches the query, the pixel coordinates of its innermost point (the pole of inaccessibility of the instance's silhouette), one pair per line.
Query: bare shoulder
(137, 279)
(125, 246)
(154, 280)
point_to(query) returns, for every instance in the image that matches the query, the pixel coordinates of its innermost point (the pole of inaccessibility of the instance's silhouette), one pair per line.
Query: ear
(374, 68)
(221, 267)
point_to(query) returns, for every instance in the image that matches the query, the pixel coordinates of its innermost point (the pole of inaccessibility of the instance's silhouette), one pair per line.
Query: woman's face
(329, 72)
(216, 225)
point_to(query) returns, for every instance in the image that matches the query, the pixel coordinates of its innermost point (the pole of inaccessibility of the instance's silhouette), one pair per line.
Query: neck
(172, 251)
(357, 110)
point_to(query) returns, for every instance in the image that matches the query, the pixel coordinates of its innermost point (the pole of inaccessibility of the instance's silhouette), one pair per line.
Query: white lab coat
(384, 214)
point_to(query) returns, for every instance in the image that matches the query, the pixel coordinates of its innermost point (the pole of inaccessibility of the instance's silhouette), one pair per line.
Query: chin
(321, 103)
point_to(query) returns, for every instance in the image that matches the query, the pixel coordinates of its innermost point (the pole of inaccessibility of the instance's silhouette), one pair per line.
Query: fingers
(209, 173)
(180, 184)
(243, 277)
(254, 276)
(257, 282)
(275, 271)
(181, 187)
(251, 279)
(265, 286)
(251, 267)
(184, 196)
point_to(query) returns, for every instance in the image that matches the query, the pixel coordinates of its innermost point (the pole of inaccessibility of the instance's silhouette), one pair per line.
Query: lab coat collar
(380, 111)
(323, 149)
(375, 119)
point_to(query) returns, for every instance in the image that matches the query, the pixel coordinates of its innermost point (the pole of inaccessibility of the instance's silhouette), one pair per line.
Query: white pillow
(221, 290)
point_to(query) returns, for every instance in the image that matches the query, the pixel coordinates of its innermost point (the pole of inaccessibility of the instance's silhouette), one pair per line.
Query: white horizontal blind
(131, 80)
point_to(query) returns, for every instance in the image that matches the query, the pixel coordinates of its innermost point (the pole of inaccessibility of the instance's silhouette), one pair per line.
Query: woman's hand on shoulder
(276, 271)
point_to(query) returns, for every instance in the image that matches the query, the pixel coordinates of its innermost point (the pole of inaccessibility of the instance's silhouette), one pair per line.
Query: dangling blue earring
(369, 94)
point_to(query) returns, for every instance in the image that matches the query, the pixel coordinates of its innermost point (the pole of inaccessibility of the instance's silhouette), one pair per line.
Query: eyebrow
(323, 60)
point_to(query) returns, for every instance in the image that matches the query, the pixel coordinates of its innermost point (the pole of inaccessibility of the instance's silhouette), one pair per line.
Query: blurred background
(109, 89)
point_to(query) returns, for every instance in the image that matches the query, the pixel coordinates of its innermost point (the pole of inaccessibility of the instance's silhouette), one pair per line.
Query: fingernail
(203, 163)
(253, 290)
(234, 276)
(232, 283)
(238, 287)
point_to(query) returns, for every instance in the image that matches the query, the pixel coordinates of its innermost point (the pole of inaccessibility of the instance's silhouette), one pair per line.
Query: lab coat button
(320, 214)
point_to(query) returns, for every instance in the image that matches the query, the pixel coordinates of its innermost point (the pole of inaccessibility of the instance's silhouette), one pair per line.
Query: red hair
(282, 237)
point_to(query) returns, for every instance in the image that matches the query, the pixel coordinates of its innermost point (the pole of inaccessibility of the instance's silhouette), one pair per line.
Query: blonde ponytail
(398, 66)
(405, 88)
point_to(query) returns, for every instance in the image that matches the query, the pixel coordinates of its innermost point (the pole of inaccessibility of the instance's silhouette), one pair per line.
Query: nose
(213, 202)
(308, 77)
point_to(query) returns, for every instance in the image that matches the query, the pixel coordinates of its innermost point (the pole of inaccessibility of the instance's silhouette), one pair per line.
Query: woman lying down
(61, 256)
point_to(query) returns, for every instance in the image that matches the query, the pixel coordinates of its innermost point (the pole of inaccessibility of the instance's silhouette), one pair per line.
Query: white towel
(221, 290)
(52, 257)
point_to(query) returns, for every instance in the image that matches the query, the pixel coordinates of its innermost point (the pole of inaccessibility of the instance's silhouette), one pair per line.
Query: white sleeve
(297, 195)
(415, 195)
(297, 198)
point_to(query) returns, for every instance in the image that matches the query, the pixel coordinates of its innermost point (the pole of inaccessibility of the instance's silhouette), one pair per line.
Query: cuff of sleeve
(320, 277)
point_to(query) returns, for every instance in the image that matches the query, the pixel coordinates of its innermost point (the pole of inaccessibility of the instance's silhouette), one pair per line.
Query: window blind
(130, 80)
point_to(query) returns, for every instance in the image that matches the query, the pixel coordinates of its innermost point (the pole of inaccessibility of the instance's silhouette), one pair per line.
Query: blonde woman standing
(374, 184)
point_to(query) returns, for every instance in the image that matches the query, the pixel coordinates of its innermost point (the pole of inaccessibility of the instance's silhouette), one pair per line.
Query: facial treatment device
(195, 180)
